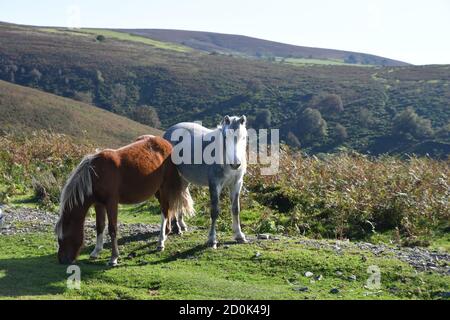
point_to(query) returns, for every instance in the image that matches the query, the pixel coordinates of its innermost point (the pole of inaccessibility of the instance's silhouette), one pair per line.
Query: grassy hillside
(118, 73)
(258, 48)
(24, 110)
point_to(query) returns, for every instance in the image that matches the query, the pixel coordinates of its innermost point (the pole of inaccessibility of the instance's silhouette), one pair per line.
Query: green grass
(189, 270)
(134, 38)
(304, 61)
(66, 31)
(148, 212)
(123, 36)
(117, 35)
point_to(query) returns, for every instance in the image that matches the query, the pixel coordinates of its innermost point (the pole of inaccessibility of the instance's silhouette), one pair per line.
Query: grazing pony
(227, 171)
(129, 175)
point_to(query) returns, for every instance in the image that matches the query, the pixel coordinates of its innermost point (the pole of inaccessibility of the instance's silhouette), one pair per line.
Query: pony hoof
(93, 257)
(113, 263)
(212, 245)
(159, 248)
(241, 240)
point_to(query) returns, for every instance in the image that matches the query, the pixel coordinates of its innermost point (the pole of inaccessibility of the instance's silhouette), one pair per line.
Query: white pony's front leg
(239, 236)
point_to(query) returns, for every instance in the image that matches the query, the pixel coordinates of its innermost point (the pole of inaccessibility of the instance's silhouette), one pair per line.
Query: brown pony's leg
(168, 225)
(112, 209)
(100, 219)
(164, 222)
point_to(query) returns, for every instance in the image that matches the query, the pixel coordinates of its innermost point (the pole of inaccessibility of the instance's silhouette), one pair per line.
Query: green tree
(263, 119)
(340, 132)
(409, 122)
(312, 125)
(365, 117)
(327, 102)
(35, 74)
(83, 96)
(146, 115)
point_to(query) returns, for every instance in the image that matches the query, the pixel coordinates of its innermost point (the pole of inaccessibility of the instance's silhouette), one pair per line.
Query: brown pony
(131, 174)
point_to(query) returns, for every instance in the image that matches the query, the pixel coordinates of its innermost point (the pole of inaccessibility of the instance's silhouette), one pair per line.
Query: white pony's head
(235, 138)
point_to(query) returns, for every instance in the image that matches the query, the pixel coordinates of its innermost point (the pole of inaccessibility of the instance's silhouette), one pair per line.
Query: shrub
(292, 140)
(263, 119)
(311, 125)
(146, 115)
(365, 117)
(353, 196)
(408, 122)
(328, 102)
(35, 75)
(83, 96)
(40, 162)
(340, 132)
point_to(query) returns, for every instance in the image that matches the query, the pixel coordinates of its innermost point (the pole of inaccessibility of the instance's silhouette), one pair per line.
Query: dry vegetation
(340, 196)
(354, 196)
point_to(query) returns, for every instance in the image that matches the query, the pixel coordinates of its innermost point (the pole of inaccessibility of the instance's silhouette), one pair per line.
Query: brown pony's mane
(77, 187)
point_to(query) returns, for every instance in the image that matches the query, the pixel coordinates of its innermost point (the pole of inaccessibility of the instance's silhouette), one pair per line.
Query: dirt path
(26, 220)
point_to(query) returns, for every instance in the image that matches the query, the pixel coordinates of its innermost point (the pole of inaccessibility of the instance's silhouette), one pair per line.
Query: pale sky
(415, 31)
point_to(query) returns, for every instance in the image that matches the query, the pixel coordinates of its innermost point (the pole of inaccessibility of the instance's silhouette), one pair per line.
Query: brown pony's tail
(77, 188)
(180, 200)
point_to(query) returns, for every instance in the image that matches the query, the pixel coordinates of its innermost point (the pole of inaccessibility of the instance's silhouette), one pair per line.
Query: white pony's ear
(226, 120)
(243, 119)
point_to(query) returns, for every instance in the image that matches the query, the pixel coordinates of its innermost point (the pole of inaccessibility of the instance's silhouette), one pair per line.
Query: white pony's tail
(76, 189)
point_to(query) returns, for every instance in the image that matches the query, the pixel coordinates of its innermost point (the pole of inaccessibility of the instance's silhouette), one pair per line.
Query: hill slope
(122, 72)
(258, 48)
(24, 110)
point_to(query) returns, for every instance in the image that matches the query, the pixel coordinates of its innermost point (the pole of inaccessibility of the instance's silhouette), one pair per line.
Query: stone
(352, 277)
(264, 236)
(334, 291)
(301, 289)
(308, 274)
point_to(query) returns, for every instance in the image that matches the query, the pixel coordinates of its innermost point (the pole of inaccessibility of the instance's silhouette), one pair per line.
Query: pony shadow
(182, 254)
(36, 276)
(149, 246)
(146, 236)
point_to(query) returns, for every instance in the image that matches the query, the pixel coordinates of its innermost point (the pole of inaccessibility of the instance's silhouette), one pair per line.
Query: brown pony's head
(70, 240)
(73, 208)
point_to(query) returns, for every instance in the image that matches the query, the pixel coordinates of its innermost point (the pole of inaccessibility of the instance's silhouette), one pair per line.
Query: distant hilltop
(259, 48)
